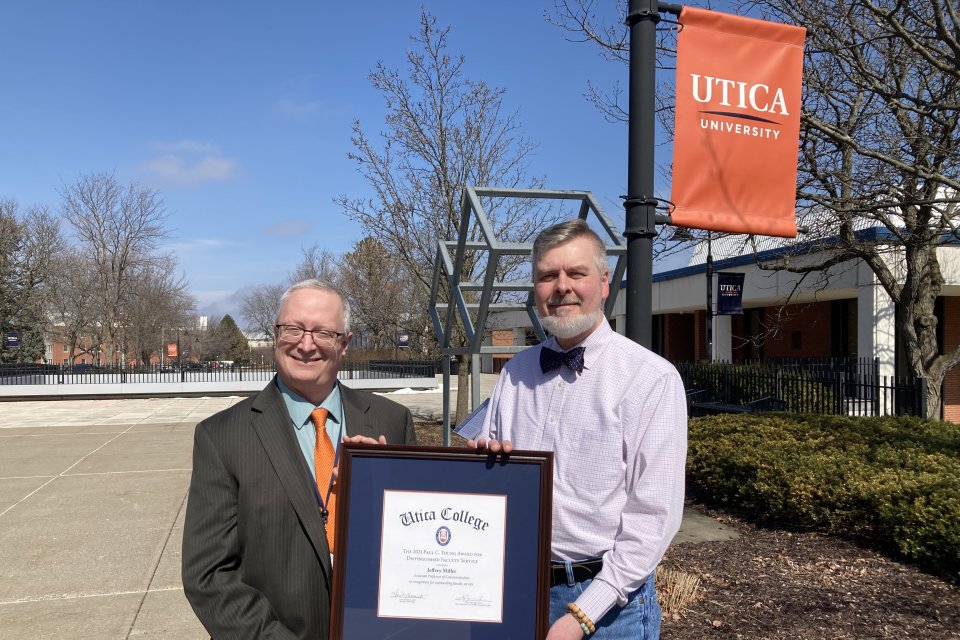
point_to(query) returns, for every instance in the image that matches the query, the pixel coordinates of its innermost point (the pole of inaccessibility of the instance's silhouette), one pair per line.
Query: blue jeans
(639, 619)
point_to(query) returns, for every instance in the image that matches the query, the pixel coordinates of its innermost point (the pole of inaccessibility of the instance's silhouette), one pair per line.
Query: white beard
(566, 327)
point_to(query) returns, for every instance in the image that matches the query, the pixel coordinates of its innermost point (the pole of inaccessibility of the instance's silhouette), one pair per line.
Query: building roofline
(872, 234)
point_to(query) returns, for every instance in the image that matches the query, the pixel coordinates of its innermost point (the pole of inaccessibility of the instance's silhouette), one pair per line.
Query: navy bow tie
(550, 359)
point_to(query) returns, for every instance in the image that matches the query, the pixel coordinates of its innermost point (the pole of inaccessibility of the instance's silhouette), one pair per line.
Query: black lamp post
(640, 203)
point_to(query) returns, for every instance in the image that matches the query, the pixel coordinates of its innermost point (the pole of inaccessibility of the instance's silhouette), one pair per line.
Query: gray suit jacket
(255, 558)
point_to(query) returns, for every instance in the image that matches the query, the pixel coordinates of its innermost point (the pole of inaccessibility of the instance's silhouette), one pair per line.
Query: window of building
(66, 349)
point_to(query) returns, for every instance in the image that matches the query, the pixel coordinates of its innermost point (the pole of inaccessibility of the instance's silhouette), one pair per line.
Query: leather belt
(583, 570)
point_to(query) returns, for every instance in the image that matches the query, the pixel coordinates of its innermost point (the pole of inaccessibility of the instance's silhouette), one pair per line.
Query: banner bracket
(634, 15)
(640, 225)
(667, 7)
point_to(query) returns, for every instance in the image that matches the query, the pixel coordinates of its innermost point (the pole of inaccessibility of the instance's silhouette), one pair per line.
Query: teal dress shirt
(300, 410)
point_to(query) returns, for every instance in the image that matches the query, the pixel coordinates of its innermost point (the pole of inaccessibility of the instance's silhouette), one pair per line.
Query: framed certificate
(441, 543)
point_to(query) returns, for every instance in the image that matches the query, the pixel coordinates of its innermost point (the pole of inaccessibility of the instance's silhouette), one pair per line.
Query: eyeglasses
(293, 334)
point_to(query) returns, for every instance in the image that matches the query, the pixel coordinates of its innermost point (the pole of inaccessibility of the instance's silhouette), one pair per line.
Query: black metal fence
(198, 372)
(856, 367)
(841, 387)
(392, 368)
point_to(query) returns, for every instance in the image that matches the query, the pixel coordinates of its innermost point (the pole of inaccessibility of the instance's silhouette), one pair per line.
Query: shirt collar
(593, 343)
(300, 409)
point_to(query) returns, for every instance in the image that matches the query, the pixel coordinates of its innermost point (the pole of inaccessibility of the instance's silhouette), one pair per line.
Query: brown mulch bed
(773, 584)
(777, 584)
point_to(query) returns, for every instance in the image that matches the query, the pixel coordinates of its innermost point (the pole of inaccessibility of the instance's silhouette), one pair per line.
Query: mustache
(568, 299)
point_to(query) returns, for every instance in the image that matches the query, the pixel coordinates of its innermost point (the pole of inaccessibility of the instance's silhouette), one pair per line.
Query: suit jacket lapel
(356, 414)
(273, 426)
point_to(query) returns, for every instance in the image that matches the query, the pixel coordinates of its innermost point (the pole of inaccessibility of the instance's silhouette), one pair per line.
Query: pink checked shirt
(618, 432)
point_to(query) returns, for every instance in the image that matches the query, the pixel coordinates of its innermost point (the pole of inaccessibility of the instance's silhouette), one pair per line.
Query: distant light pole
(709, 299)
(682, 234)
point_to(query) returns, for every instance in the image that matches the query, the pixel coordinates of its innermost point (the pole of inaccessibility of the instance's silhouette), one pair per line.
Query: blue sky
(240, 113)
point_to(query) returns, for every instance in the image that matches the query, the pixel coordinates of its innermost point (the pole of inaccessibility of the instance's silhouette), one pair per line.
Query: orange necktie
(324, 457)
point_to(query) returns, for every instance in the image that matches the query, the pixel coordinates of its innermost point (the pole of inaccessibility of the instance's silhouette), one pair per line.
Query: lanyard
(321, 503)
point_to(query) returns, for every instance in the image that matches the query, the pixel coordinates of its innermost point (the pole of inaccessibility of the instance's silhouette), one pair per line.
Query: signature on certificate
(405, 596)
(472, 601)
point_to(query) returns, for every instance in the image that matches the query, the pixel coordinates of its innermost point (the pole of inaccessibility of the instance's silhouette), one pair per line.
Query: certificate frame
(368, 472)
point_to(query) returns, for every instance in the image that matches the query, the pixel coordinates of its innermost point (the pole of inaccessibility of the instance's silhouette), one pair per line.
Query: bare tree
(443, 132)
(159, 305)
(316, 263)
(75, 312)
(119, 226)
(261, 307)
(382, 294)
(880, 148)
(193, 337)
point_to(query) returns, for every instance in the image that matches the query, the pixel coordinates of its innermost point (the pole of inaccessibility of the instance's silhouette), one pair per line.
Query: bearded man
(614, 415)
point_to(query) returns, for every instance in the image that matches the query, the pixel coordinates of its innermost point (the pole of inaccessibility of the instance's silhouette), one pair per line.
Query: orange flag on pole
(737, 124)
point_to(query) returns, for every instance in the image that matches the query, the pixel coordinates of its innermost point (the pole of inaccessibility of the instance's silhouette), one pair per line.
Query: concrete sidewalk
(92, 498)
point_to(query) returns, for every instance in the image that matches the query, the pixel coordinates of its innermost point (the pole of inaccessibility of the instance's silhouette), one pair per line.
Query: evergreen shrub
(891, 481)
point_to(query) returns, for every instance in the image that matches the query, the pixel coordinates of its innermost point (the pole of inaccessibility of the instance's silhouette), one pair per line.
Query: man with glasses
(258, 535)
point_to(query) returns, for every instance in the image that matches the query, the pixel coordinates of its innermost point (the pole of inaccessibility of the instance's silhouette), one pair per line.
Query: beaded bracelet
(582, 619)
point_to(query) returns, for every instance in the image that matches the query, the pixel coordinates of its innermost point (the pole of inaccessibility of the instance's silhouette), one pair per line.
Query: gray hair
(319, 285)
(563, 233)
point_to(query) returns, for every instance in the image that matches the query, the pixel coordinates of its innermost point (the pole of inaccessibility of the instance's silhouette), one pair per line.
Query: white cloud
(298, 110)
(289, 228)
(188, 163)
(302, 110)
(201, 244)
(185, 146)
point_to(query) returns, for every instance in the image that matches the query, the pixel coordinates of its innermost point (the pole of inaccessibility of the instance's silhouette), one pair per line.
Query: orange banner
(172, 350)
(737, 124)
